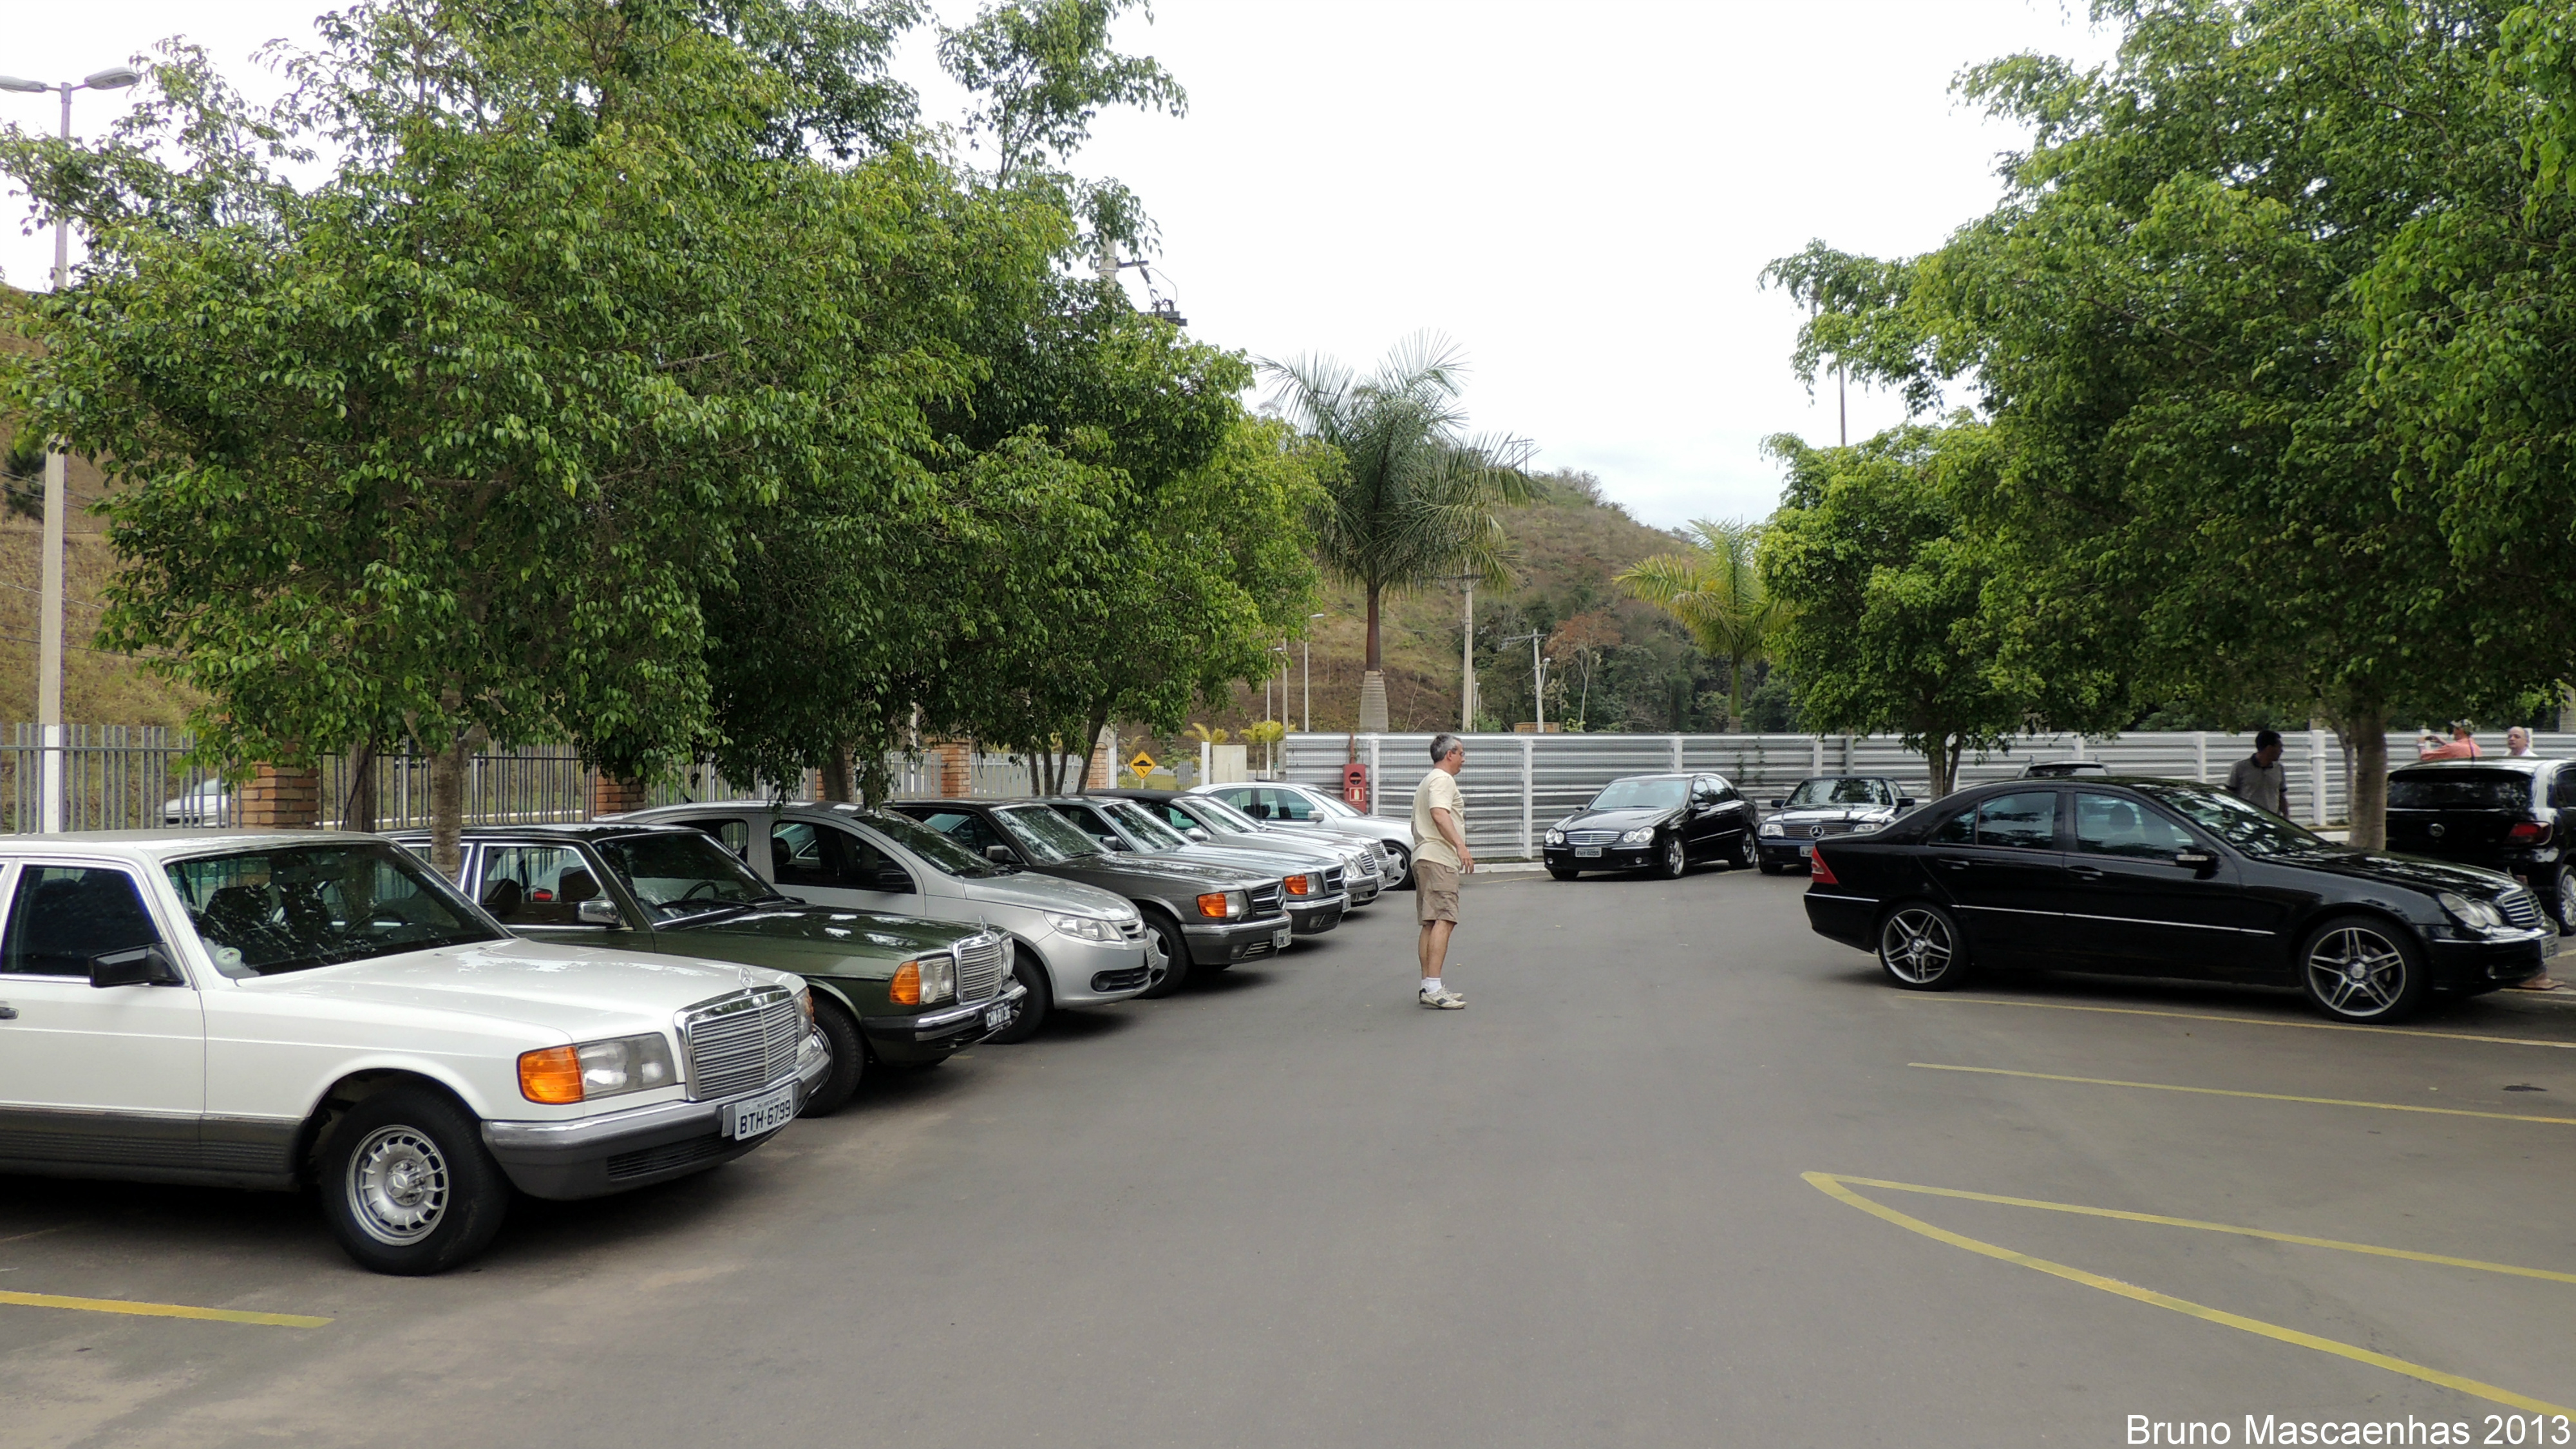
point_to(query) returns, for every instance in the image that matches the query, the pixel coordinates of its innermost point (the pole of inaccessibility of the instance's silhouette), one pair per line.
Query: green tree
(1884, 627)
(1414, 497)
(1042, 71)
(1713, 589)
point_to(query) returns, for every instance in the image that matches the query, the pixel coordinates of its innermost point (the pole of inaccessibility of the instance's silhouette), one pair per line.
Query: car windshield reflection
(1045, 836)
(937, 851)
(1820, 793)
(684, 874)
(268, 912)
(1663, 794)
(2249, 828)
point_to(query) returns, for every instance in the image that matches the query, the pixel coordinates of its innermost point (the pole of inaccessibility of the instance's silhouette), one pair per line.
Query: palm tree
(1414, 499)
(1714, 589)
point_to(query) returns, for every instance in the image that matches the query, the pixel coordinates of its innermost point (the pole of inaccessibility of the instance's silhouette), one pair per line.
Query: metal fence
(1517, 785)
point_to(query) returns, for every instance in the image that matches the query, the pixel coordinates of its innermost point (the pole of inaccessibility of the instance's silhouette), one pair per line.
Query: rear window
(2460, 790)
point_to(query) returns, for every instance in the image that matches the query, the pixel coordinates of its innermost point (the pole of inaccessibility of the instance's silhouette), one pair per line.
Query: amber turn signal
(1213, 905)
(905, 990)
(1297, 885)
(552, 1076)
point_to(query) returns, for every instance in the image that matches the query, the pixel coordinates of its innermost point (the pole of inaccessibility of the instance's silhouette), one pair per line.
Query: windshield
(1334, 805)
(937, 851)
(1225, 815)
(1141, 824)
(2249, 828)
(1049, 838)
(683, 874)
(2460, 790)
(1843, 790)
(1645, 793)
(268, 912)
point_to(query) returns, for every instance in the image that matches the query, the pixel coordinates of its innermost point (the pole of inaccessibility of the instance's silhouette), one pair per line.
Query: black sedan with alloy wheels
(2166, 878)
(1662, 823)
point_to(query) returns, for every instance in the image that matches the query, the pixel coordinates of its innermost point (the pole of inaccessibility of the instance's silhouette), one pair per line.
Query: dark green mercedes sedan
(889, 991)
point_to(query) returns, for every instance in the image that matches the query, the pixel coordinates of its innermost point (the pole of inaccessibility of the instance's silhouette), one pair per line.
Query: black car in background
(1657, 822)
(1822, 807)
(2512, 815)
(1197, 915)
(2165, 878)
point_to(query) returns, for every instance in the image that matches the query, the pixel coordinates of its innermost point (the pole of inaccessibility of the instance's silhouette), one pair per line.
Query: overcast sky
(1582, 197)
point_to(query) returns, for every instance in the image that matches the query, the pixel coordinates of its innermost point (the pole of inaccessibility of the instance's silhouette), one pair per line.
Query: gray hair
(1442, 744)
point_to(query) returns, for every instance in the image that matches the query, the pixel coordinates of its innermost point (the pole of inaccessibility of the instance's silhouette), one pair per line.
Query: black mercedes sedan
(2167, 878)
(1822, 807)
(1662, 822)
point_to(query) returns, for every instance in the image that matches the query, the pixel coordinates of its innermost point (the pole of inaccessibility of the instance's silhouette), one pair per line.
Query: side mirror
(1775, 804)
(597, 911)
(2194, 859)
(142, 966)
(1000, 855)
(1201, 836)
(1905, 802)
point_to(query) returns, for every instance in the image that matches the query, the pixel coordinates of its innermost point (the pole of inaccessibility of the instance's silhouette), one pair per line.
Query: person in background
(2461, 745)
(1440, 856)
(2517, 743)
(2258, 779)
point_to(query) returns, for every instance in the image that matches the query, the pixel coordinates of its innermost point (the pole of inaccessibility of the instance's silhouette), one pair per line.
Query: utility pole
(49, 623)
(1538, 675)
(1310, 671)
(1467, 666)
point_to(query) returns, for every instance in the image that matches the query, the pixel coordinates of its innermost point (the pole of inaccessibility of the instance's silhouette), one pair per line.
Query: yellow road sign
(1143, 764)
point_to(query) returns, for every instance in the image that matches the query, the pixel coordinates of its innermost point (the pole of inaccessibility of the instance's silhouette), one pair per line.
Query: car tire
(1673, 861)
(1920, 949)
(2562, 900)
(1773, 867)
(1402, 865)
(849, 1059)
(1748, 854)
(1165, 939)
(1563, 872)
(1035, 1007)
(407, 1185)
(2362, 969)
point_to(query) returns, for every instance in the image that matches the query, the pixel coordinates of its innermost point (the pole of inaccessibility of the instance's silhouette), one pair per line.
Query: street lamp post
(49, 623)
(1310, 672)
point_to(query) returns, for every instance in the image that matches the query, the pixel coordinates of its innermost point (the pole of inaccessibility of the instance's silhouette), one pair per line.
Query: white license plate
(2549, 946)
(1587, 852)
(1279, 938)
(1806, 850)
(765, 1113)
(997, 1016)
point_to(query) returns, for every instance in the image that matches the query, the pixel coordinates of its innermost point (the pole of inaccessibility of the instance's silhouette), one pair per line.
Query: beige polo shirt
(1438, 791)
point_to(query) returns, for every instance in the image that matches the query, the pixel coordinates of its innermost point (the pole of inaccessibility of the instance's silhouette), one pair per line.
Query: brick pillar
(280, 798)
(610, 795)
(1103, 771)
(956, 768)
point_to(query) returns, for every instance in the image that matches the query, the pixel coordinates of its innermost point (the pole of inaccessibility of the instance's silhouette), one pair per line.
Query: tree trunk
(2369, 754)
(1376, 657)
(447, 807)
(1093, 728)
(1735, 693)
(1941, 758)
(836, 774)
(358, 811)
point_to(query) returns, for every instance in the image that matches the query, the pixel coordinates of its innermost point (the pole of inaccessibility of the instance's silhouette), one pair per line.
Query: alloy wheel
(2562, 900)
(2355, 971)
(1748, 854)
(1158, 962)
(1676, 860)
(1915, 946)
(398, 1185)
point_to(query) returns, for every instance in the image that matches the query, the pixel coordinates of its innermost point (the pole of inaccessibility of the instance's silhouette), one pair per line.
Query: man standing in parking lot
(2259, 779)
(1440, 856)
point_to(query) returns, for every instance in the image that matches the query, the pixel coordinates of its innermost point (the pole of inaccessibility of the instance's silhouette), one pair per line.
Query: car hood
(1028, 890)
(582, 991)
(1162, 872)
(829, 931)
(1260, 856)
(1615, 819)
(2419, 872)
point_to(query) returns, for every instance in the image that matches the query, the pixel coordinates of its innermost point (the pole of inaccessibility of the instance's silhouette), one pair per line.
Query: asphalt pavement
(1681, 1174)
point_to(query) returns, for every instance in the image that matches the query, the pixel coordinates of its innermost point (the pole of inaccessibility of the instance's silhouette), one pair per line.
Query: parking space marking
(2257, 1096)
(162, 1310)
(1836, 1187)
(2240, 1020)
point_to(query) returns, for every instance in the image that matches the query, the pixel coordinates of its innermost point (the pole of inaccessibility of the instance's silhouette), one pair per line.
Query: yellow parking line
(1833, 1186)
(2241, 1020)
(161, 1310)
(2257, 1096)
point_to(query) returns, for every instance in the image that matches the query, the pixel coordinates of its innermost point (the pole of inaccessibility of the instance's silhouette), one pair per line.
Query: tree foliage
(1714, 589)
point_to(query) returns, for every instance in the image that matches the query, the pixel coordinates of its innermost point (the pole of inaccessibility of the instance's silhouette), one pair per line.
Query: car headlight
(563, 1075)
(1555, 836)
(1642, 835)
(2476, 915)
(1223, 905)
(1297, 885)
(1774, 827)
(924, 980)
(1084, 928)
(805, 1002)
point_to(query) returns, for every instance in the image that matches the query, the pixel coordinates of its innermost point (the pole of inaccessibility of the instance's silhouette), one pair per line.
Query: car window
(1088, 820)
(1703, 792)
(1241, 798)
(2026, 821)
(268, 912)
(2250, 828)
(1289, 805)
(1959, 829)
(1043, 835)
(1334, 807)
(2112, 825)
(62, 915)
(940, 852)
(965, 827)
(1652, 793)
(1223, 814)
(733, 835)
(682, 873)
(536, 885)
(2460, 790)
(2563, 793)
(803, 852)
(1145, 826)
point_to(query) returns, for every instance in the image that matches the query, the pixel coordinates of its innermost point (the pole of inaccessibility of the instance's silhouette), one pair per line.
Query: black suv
(2512, 815)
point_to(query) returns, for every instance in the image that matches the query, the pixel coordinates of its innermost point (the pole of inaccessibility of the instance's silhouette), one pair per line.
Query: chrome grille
(1332, 880)
(1367, 861)
(1264, 901)
(742, 1042)
(1591, 837)
(979, 967)
(2520, 908)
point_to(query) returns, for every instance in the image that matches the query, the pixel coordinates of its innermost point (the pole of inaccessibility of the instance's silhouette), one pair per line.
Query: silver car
(1312, 879)
(1072, 944)
(1302, 807)
(1211, 821)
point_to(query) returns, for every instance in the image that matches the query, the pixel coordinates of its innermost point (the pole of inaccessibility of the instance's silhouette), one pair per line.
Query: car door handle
(8, 1012)
(1958, 864)
(2084, 872)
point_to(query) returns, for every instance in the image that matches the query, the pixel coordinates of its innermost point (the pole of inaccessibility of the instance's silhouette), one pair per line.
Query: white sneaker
(1443, 1000)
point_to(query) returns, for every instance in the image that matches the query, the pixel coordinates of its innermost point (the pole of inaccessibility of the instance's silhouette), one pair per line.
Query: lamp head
(18, 83)
(114, 78)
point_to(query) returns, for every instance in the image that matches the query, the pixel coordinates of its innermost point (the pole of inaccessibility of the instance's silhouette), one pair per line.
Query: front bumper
(2472, 966)
(1611, 857)
(930, 1036)
(1224, 945)
(1315, 917)
(636, 1146)
(1782, 849)
(1361, 889)
(1087, 973)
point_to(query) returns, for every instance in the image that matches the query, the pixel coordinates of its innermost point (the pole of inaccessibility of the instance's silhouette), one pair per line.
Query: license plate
(2549, 946)
(1806, 850)
(1587, 852)
(765, 1113)
(1279, 938)
(997, 1016)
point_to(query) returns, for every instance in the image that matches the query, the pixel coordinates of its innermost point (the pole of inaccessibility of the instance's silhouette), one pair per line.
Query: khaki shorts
(1435, 891)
